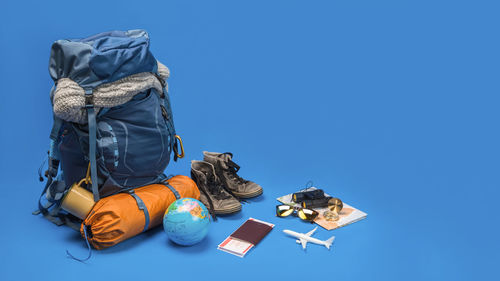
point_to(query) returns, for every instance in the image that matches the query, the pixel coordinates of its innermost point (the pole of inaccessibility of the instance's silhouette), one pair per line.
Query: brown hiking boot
(227, 170)
(212, 193)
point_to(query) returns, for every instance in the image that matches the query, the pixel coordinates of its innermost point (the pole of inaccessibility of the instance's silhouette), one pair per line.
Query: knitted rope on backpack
(69, 97)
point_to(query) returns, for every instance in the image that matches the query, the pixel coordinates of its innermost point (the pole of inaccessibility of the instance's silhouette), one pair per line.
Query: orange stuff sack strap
(116, 218)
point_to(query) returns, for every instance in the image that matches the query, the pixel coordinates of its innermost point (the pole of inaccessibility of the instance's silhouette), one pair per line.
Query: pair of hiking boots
(221, 189)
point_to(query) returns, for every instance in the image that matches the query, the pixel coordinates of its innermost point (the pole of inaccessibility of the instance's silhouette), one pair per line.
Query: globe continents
(186, 221)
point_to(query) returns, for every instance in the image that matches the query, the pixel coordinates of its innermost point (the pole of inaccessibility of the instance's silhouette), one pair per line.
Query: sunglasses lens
(284, 210)
(307, 214)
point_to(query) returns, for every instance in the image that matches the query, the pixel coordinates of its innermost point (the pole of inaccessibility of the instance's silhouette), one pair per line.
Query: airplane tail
(329, 242)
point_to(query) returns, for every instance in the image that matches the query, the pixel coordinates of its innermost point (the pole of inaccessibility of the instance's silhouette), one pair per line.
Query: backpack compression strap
(51, 173)
(89, 105)
(174, 191)
(142, 207)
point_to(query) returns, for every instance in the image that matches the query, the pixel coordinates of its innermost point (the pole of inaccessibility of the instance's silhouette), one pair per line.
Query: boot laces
(215, 188)
(232, 170)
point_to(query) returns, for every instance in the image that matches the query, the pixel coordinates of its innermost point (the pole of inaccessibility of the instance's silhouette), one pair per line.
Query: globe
(186, 221)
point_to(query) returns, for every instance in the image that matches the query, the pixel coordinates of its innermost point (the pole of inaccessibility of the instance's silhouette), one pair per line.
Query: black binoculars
(299, 197)
(316, 203)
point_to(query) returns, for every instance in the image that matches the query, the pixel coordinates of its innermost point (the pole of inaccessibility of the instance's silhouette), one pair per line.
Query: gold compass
(335, 205)
(331, 216)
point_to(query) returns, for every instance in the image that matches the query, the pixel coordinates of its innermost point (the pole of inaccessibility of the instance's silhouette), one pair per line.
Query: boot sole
(250, 194)
(228, 211)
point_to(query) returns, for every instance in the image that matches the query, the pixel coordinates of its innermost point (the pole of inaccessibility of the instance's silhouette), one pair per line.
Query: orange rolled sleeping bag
(118, 217)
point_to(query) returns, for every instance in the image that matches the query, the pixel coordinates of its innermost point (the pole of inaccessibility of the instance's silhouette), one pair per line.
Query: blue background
(390, 105)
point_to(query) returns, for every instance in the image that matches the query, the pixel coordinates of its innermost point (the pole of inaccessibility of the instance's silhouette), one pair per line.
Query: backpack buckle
(89, 100)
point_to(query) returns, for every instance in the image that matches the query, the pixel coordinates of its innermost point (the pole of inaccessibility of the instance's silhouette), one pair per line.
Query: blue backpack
(111, 113)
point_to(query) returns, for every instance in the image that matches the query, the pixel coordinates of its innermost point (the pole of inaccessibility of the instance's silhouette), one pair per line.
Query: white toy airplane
(304, 238)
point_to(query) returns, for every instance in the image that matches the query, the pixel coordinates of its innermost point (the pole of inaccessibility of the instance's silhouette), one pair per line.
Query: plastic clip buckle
(89, 101)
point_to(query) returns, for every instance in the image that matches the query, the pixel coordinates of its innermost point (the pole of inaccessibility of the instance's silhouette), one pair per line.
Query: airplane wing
(311, 232)
(304, 243)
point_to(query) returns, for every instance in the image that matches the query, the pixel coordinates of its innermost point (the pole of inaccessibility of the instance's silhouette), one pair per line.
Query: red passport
(246, 237)
(252, 231)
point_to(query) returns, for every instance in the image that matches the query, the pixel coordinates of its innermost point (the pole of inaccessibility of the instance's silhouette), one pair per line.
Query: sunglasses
(302, 213)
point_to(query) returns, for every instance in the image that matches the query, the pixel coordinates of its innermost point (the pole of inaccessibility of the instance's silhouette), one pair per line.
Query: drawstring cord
(88, 246)
(40, 177)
